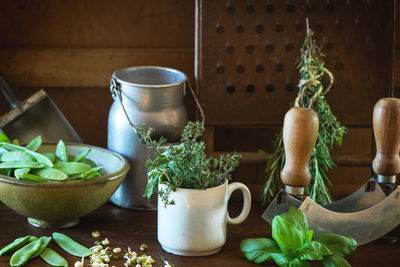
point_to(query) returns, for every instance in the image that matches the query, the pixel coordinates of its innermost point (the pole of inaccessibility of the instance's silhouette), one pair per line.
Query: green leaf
(318, 247)
(39, 157)
(16, 156)
(297, 218)
(35, 143)
(259, 250)
(81, 155)
(16, 142)
(338, 245)
(71, 168)
(4, 138)
(20, 164)
(61, 151)
(299, 263)
(286, 234)
(309, 235)
(281, 259)
(335, 261)
(52, 174)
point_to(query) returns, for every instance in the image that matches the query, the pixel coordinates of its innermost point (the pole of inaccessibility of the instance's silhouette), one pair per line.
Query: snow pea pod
(53, 258)
(39, 157)
(71, 168)
(18, 172)
(20, 164)
(90, 174)
(61, 151)
(32, 177)
(14, 245)
(81, 155)
(35, 143)
(52, 174)
(45, 241)
(22, 256)
(16, 156)
(71, 246)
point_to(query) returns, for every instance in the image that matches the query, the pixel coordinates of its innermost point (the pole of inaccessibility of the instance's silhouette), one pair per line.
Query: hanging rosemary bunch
(315, 82)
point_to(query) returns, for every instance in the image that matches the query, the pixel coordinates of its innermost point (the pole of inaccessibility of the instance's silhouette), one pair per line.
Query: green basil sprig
(293, 244)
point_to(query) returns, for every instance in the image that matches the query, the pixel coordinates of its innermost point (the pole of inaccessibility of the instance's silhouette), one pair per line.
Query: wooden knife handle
(300, 129)
(386, 124)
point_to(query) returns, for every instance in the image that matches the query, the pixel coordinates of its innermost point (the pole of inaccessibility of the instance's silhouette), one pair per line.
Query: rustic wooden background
(70, 48)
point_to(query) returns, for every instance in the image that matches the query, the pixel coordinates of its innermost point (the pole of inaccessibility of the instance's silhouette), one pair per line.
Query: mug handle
(246, 202)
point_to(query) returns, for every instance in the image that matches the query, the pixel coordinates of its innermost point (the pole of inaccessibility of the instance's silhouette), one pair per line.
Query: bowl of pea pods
(55, 184)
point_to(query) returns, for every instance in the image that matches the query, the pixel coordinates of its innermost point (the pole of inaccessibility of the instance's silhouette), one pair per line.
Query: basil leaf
(338, 245)
(259, 250)
(335, 261)
(318, 247)
(286, 234)
(281, 259)
(35, 143)
(297, 218)
(299, 263)
(310, 255)
(309, 235)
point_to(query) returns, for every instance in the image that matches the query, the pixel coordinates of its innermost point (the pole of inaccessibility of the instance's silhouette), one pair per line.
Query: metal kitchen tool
(363, 225)
(149, 95)
(36, 115)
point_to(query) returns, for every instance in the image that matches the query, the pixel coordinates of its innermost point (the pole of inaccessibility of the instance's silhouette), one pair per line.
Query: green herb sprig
(315, 82)
(293, 244)
(184, 165)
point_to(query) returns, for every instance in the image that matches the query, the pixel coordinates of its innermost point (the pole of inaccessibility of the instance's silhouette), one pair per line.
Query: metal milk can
(149, 95)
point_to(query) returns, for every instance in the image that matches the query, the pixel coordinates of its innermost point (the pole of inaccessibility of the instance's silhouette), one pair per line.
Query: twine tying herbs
(315, 82)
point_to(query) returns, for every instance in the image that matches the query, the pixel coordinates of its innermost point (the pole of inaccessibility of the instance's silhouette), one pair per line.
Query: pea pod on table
(71, 246)
(45, 241)
(23, 255)
(15, 245)
(53, 258)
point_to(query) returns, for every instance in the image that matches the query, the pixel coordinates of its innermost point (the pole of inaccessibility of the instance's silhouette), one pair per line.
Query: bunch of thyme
(185, 165)
(315, 82)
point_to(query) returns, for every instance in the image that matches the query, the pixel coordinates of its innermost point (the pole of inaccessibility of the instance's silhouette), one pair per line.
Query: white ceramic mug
(196, 224)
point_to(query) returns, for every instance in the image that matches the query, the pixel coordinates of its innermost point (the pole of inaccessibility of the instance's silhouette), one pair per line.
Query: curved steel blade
(364, 226)
(366, 196)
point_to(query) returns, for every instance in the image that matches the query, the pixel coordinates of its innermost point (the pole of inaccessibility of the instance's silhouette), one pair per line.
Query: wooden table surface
(132, 228)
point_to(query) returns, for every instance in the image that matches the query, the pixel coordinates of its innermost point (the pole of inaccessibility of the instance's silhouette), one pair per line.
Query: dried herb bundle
(315, 82)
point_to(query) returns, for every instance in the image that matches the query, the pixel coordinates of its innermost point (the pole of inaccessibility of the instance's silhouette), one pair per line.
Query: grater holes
(259, 28)
(219, 29)
(259, 68)
(230, 9)
(250, 9)
(230, 49)
(250, 88)
(278, 28)
(299, 27)
(249, 49)
(289, 87)
(290, 8)
(269, 87)
(279, 67)
(269, 48)
(240, 68)
(220, 69)
(230, 89)
(270, 8)
(239, 29)
(289, 47)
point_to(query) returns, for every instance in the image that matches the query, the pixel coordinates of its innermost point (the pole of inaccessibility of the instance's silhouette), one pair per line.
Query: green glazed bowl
(56, 204)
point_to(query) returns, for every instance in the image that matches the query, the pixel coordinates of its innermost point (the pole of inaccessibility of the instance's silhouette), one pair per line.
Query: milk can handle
(116, 93)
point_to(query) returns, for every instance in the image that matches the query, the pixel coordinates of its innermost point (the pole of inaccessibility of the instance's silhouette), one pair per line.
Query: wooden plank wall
(70, 48)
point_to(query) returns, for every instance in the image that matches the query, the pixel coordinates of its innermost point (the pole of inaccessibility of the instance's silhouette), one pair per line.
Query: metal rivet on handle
(239, 29)
(240, 68)
(279, 28)
(230, 49)
(279, 67)
(250, 9)
(230, 89)
(270, 8)
(250, 49)
(220, 68)
(269, 48)
(219, 29)
(250, 88)
(259, 28)
(289, 47)
(269, 87)
(259, 68)
(230, 9)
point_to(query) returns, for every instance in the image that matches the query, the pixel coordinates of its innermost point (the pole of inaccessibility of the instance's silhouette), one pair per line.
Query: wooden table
(132, 228)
